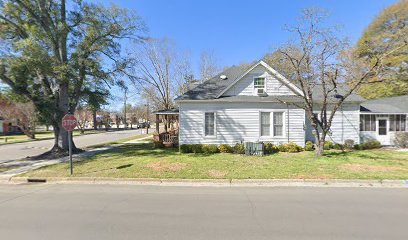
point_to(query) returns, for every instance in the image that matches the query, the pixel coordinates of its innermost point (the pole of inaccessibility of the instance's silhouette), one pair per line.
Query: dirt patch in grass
(368, 168)
(217, 173)
(163, 166)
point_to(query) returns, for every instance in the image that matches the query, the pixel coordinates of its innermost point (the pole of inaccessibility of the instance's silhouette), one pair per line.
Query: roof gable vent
(223, 77)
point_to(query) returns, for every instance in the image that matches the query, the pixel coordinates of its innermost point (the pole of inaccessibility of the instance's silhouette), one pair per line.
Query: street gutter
(212, 182)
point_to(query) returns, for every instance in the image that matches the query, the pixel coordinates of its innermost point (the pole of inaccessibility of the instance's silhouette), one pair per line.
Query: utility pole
(124, 109)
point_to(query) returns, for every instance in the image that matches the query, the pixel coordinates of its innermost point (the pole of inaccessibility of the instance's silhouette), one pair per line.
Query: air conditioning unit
(260, 91)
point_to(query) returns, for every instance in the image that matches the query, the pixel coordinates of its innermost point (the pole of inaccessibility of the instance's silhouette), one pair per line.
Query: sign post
(69, 123)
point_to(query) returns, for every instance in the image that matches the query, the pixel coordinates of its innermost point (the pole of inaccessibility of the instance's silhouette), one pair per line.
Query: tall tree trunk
(319, 148)
(320, 140)
(63, 107)
(95, 124)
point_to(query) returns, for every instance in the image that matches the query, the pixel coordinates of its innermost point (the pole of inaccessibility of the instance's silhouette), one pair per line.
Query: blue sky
(242, 31)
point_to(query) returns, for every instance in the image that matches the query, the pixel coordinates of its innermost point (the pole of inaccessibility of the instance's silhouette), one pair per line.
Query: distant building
(8, 127)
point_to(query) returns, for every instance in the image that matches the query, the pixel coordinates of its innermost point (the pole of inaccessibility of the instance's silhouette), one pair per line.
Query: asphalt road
(147, 212)
(17, 151)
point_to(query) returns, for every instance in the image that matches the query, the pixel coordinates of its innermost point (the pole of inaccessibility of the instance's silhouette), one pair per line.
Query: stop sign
(69, 122)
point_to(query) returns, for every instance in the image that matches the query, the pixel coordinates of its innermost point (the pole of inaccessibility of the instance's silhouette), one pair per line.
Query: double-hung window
(265, 123)
(277, 124)
(209, 124)
(259, 82)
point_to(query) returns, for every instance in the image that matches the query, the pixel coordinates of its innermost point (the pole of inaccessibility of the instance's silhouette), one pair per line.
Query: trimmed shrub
(239, 148)
(282, 148)
(270, 148)
(401, 139)
(349, 144)
(357, 147)
(158, 144)
(210, 148)
(293, 147)
(338, 146)
(309, 146)
(197, 148)
(186, 148)
(290, 147)
(371, 144)
(368, 145)
(328, 145)
(191, 148)
(225, 148)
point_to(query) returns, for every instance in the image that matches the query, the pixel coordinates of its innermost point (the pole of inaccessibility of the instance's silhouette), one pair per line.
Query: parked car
(143, 125)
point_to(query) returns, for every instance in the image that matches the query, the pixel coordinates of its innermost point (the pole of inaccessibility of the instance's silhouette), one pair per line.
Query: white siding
(345, 125)
(245, 86)
(236, 122)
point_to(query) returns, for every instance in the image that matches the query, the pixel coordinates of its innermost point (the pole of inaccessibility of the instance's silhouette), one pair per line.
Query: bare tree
(152, 71)
(208, 65)
(184, 76)
(158, 72)
(321, 65)
(83, 116)
(23, 113)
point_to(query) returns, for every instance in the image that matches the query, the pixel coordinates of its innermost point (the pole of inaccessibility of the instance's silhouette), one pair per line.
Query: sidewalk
(22, 166)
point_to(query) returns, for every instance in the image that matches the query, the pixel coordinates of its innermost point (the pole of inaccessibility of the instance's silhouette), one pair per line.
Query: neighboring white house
(254, 104)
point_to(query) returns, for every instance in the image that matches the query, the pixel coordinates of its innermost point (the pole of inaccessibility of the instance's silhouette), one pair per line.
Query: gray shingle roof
(214, 86)
(210, 89)
(386, 105)
(341, 90)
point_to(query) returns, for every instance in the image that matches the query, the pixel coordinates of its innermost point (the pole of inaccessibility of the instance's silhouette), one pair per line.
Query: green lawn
(39, 136)
(23, 138)
(142, 161)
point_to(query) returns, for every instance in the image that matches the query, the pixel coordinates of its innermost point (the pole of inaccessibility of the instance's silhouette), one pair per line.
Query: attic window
(259, 82)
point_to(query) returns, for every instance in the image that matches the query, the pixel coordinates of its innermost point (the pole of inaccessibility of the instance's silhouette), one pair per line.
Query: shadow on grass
(146, 150)
(124, 166)
(356, 154)
(335, 154)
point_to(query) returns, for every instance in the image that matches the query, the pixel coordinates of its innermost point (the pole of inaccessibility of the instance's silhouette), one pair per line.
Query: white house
(254, 104)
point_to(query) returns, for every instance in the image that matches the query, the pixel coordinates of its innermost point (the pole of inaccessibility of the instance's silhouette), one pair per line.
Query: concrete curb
(213, 182)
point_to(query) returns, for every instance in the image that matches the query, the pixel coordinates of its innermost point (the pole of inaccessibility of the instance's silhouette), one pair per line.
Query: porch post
(157, 123)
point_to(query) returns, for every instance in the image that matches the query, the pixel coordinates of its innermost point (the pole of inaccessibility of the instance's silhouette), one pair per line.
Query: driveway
(21, 150)
(146, 212)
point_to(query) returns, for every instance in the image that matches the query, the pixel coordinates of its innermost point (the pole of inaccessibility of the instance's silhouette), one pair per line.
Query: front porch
(381, 127)
(168, 133)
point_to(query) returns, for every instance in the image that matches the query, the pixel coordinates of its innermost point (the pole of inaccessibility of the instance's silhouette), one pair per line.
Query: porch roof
(173, 111)
(390, 105)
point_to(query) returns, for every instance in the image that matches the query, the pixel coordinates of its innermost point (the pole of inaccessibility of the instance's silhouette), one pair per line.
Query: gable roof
(269, 68)
(213, 88)
(386, 105)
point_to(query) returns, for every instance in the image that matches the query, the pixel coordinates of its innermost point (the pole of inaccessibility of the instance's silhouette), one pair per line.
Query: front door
(382, 131)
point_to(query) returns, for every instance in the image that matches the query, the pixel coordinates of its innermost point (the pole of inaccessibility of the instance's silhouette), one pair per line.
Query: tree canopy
(51, 51)
(388, 30)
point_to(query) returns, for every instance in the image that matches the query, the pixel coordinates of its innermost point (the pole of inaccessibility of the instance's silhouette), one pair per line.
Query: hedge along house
(256, 103)
(382, 118)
